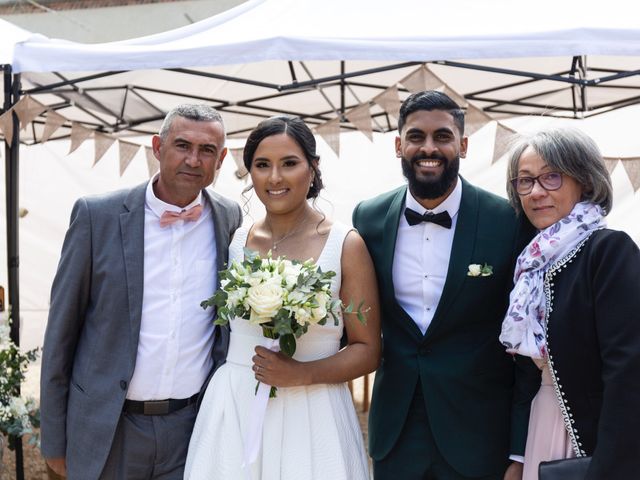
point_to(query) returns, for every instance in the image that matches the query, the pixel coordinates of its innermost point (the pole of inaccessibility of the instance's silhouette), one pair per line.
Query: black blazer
(593, 337)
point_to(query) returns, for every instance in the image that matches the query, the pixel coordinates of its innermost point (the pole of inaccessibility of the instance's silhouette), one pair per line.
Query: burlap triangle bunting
(502, 143)
(632, 167)
(78, 135)
(360, 117)
(389, 101)
(128, 150)
(152, 162)
(474, 120)
(330, 133)
(102, 143)
(238, 158)
(6, 125)
(52, 123)
(28, 109)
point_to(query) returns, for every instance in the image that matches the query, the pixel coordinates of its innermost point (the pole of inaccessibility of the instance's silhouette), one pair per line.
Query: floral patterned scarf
(523, 328)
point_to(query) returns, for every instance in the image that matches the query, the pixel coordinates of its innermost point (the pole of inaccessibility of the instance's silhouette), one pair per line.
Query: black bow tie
(413, 218)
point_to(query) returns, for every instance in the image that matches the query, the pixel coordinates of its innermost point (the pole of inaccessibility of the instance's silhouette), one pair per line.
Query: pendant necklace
(274, 243)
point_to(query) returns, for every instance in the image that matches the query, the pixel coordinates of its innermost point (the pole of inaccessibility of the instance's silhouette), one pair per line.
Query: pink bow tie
(190, 215)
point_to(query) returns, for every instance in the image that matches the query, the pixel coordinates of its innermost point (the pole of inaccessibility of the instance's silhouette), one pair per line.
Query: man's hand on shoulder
(58, 465)
(514, 471)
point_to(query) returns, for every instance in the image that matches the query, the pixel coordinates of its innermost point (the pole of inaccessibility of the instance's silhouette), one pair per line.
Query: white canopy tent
(409, 30)
(318, 60)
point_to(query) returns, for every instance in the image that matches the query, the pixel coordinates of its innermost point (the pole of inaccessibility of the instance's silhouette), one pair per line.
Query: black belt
(158, 407)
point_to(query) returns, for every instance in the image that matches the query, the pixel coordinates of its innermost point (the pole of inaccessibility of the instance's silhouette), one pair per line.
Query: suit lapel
(221, 228)
(132, 232)
(389, 238)
(390, 235)
(461, 252)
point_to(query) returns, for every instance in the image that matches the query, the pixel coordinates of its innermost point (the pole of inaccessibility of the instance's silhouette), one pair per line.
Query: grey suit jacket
(91, 339)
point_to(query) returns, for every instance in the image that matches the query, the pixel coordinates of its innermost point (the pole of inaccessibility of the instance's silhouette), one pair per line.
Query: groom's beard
(433, 186)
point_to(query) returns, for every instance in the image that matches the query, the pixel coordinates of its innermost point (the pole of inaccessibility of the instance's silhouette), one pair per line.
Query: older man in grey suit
(127, 347)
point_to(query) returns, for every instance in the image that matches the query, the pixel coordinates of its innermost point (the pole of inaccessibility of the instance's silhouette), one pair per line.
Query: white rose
(302, 315)
(18, 407)
(238, 271)
(5, 336)
(290, 274)
(256, 319)
(235, 297)
(269, 264)
(265, 299)
(474, 270)
(256, 278)
(296, 297)
(322, 299)
(30, 404)
(274, 278)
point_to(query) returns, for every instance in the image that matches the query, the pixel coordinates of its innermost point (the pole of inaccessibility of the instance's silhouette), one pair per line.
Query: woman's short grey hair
(197, 112)
(570, 152)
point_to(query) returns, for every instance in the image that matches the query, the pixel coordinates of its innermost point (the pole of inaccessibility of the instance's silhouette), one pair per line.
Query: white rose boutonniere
(477, 270)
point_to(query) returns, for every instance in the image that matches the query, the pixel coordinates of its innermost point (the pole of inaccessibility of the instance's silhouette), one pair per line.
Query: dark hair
(431, 100)
(568, 151)
(296, 129)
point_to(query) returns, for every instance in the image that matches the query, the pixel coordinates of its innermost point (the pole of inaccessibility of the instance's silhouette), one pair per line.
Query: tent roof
(10, 36)
(260, 30)
(268, 56)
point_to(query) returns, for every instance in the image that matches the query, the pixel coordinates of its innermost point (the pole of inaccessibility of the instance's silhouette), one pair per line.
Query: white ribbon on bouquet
(253, 434)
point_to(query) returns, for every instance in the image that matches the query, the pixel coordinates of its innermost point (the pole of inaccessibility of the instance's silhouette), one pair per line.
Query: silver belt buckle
(159, 407)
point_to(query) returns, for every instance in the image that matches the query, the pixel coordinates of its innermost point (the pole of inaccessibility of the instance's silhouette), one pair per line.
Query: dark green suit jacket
(478, 407)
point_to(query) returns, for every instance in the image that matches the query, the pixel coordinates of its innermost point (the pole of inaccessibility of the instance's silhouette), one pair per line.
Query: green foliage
(284, 297)
(288, 345)
(18, 416)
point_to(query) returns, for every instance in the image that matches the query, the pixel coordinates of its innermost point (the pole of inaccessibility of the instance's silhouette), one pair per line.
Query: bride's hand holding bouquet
(284, 297)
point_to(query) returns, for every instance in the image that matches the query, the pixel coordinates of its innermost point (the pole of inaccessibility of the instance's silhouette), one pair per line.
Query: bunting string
(27, 109)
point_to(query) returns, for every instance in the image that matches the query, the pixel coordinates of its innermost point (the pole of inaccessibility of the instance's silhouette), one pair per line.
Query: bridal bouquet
(283, 296)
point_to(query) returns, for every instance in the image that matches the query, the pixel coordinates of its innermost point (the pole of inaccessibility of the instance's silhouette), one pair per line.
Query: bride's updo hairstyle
(297, 130)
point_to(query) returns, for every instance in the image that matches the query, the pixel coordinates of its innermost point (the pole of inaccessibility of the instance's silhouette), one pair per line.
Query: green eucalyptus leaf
(288, 345)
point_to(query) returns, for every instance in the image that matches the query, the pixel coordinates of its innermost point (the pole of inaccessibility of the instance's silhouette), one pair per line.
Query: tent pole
(342, 89)
(11, 96)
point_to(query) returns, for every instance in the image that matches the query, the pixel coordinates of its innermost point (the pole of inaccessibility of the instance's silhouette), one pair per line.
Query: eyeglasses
(549, 181)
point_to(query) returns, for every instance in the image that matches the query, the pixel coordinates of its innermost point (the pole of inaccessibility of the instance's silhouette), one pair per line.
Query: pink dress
(547, 438)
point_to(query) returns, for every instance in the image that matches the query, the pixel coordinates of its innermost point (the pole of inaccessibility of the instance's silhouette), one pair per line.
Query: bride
(310, 430)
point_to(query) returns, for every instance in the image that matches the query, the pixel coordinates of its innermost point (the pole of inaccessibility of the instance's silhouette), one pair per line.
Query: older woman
(575, 308)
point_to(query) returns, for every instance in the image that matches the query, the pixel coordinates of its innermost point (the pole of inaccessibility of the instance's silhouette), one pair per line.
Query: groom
(448, 402)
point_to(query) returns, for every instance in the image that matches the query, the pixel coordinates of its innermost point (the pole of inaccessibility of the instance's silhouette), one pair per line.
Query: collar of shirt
(451, 204)
(158, 207)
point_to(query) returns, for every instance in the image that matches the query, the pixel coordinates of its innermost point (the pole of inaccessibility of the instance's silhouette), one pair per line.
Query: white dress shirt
(421, 259)
(174, 349)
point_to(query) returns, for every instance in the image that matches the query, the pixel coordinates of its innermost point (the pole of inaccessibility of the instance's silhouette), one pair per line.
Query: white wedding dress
(309, 433)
